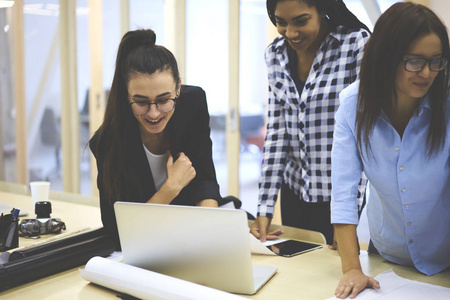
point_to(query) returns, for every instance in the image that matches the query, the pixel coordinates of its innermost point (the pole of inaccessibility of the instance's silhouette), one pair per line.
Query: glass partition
(252, 98)
(207, 67)
(7, 105)
(43, 91)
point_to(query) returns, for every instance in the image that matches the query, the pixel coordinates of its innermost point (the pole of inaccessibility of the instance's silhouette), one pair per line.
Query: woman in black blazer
(154, 144)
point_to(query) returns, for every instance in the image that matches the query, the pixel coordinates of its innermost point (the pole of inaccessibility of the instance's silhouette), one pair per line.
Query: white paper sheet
(394, 287)
(115, 256)
(260, 248)
(145, 284)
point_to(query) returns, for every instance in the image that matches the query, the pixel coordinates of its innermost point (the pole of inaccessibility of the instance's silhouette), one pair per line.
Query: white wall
(442, 9)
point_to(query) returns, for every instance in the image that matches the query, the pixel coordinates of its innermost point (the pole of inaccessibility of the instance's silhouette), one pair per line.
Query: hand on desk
(261, 226)
(353, 282)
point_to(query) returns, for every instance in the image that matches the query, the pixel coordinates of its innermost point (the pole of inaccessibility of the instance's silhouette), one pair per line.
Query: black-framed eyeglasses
(143, 107)
(417, 64)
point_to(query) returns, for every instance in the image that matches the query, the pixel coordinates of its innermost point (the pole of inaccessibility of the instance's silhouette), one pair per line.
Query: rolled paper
(146, 284)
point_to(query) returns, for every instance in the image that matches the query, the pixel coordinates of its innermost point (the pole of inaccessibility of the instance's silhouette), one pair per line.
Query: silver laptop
(208, 246)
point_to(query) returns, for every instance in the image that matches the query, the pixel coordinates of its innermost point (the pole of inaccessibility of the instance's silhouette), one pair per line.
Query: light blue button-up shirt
(409, 195)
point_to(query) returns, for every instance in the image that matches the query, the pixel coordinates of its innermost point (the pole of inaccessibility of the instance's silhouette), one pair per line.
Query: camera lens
(43, 209)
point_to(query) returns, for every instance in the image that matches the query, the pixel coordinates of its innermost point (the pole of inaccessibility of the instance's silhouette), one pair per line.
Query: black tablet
(290, 248)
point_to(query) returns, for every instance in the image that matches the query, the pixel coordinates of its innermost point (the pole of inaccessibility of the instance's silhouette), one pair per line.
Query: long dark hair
(137, 53)
(335, 10)
(395, 30)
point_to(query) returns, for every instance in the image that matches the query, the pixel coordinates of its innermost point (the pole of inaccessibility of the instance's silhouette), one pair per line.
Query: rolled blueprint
(145, 284)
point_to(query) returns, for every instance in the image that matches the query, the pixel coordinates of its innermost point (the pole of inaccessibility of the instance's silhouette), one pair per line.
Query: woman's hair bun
(140, 37)
(149, 36)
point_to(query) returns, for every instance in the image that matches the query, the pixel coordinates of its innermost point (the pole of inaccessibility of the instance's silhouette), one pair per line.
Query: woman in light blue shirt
(394, 125)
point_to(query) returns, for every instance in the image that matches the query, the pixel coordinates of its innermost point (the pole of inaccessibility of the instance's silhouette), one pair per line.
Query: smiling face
(301, 25)
(158, 86)
(414, 85)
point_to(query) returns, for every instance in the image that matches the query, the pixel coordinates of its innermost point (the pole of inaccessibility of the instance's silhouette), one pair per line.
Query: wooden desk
(312, 275)
(315, 275)
(77, 217)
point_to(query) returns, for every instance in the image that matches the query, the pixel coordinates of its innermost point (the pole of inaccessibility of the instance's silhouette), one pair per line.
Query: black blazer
(189, 132)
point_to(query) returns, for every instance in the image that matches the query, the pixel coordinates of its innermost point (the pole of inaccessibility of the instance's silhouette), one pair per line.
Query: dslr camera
(43, 224)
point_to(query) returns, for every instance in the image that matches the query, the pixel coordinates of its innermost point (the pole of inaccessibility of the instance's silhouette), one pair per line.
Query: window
(207, 67)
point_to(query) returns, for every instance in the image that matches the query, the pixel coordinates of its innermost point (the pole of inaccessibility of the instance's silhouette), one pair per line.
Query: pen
(16, 212)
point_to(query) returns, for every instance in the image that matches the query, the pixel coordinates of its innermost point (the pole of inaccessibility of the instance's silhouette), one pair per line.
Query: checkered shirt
(300, 128)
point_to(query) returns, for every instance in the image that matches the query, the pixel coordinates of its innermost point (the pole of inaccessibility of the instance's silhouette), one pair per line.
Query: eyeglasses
(143, 107)
(417, 64)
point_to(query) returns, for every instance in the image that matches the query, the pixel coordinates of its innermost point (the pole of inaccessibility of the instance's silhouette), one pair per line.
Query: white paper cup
(39, 191)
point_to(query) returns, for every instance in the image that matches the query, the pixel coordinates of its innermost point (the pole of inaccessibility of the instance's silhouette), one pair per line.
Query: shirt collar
(425, 104)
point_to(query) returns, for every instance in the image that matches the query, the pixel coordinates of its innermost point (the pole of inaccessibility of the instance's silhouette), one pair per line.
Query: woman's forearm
(208, 203)
(347, 246)
(164, 195)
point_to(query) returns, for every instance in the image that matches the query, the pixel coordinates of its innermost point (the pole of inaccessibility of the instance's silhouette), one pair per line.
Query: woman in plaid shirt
(317, 55)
